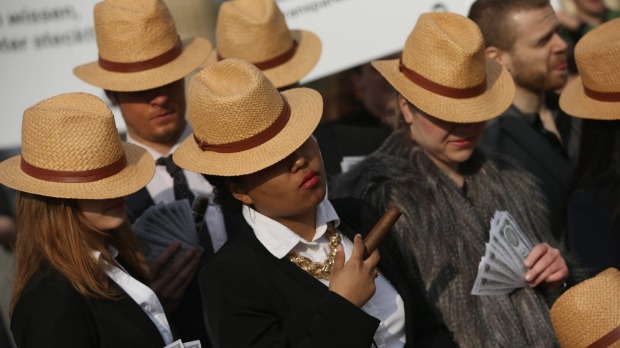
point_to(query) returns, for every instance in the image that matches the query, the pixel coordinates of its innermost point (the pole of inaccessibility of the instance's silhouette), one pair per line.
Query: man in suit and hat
(142, 66)
(522, 36)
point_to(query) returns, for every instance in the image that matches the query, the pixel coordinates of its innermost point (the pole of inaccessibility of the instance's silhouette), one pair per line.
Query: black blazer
(51, 313)
(514, 138)
(253, 299)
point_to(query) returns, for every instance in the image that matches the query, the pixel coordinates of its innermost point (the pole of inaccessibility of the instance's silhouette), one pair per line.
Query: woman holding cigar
(448, 190)
(295, 274)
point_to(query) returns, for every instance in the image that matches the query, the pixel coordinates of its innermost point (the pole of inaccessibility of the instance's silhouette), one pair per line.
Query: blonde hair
(52, 232)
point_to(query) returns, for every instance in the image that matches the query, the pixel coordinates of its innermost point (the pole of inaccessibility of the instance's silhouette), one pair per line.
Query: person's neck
(528, 101)
(304, 225)
(452, 171)
(458, 179)
(162, 147)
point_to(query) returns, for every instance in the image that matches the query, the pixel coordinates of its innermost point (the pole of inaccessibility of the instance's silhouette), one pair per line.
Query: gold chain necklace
(319, 270)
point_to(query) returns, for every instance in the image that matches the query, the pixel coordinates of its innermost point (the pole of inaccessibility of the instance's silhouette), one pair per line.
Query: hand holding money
(163, 224)
(502, 268)
(169, 279)
(545, 265)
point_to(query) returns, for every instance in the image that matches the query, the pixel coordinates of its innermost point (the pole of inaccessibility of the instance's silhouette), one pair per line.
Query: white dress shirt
(140, 293)
(385, 305)
(160, 189)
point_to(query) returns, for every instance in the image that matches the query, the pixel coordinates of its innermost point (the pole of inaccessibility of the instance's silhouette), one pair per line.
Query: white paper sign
(356, 31)
(41, 41)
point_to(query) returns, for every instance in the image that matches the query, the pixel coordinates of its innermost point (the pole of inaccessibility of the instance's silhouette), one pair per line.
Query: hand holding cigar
(380, 230)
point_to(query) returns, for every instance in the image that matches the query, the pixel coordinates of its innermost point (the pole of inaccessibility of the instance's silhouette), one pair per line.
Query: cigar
(380, 230)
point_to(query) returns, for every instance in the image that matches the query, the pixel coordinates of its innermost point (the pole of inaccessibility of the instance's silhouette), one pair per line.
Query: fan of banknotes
(501, 269)
(181, 344)
(164, 223)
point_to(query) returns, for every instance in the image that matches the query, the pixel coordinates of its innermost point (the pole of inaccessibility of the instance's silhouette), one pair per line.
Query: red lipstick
(462, 143)
(309, 180)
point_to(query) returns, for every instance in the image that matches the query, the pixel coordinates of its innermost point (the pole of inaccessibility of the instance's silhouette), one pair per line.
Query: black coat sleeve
(53, 315)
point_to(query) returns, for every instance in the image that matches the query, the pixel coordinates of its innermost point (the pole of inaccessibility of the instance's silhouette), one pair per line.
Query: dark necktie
(181, 189)
(199, 209)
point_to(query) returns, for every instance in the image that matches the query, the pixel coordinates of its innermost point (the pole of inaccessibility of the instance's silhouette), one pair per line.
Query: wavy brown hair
(52, 232)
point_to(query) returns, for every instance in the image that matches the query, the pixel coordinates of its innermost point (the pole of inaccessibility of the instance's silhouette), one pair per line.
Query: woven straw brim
(138, 172)
(494, 101)
(302, 62)
(588, 311)
(306, 110)
(575, 102)
(195, 52)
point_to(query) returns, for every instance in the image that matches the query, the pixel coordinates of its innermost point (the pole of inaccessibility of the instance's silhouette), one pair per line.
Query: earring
(253, 215)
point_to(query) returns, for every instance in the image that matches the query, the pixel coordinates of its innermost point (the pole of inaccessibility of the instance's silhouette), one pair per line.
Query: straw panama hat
(589, 311)
(139, 48)
(256, 31)
(241, 123)
(445, 72)
(71, 149)
(595, 93)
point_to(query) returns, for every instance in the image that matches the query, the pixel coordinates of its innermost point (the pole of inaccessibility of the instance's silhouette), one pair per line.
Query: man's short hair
(492, 18)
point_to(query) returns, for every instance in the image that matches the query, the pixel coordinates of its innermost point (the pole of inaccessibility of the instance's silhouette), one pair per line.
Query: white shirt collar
(140, 293)
(156, 154)
(279, 239)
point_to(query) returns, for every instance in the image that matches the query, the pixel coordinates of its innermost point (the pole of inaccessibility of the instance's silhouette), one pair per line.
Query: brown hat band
(253, 141)
(152, 63)
(273, 62)
(442, 90)
(607, 340)
(602, 96)
(74, 176)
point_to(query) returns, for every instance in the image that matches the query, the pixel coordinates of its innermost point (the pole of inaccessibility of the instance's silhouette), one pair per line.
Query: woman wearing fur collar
(448, 190)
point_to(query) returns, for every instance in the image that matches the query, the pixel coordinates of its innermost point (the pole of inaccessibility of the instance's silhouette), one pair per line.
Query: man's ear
(498, 55)
(237, 189)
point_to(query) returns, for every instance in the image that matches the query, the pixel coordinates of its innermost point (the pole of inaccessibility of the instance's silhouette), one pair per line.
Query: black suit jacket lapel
(284, 267)
(125, 307)
(537, 148)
